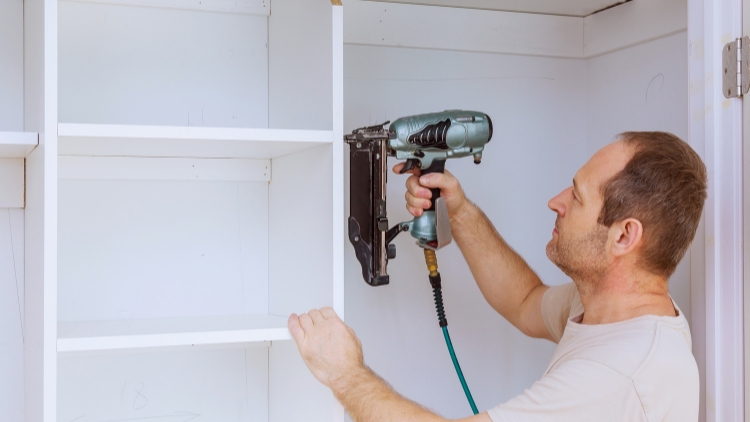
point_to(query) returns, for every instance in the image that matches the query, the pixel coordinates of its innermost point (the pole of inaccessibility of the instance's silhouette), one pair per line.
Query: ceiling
(549, 7)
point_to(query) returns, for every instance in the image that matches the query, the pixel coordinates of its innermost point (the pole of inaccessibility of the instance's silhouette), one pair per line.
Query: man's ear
(626, 236)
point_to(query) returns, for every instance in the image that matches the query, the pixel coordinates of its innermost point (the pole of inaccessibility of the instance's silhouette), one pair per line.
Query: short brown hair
(664, 187)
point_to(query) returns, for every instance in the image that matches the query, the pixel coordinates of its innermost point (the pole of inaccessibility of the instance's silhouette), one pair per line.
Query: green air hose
(437, 292)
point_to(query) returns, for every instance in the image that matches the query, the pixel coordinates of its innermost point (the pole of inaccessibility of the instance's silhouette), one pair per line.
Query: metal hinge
(736, 68)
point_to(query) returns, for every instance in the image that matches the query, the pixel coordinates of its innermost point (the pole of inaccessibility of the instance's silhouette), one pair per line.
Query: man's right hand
(418, 195)
(508, 284)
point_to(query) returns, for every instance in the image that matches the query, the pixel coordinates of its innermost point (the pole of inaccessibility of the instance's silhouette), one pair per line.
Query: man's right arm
(507, 282)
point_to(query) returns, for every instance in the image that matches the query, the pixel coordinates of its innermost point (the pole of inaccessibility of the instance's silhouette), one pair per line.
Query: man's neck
(620, 297)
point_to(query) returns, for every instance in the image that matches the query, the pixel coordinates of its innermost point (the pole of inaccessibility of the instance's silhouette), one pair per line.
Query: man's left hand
(328, 346)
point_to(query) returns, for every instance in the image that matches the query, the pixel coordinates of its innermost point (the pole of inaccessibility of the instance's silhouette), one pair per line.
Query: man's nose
(557, 204)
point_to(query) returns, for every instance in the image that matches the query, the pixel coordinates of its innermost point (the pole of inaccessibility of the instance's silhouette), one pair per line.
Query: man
(624, 348)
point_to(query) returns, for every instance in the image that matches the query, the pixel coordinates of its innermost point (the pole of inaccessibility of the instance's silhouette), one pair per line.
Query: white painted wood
(211, 385)
(162, 249)
(198, 142)
(716, 133)
(339, 236)
(445, 28)
(578, 8)
(299, 65)
(242, 7)
(40, 116)
(151, 259)
(137, 65)
(11, 72)
(12, 182)
(294, 394)
(632, 23)
(746, 216)
(11, 314)
(170, 332)
(196, 169)
(338, 160)
(17, 144)
(301, 232)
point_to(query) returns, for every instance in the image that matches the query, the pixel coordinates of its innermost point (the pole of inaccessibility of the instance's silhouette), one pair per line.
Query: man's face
(579, 243)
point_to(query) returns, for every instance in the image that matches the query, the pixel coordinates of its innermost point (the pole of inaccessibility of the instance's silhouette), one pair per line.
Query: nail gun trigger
(410, 164)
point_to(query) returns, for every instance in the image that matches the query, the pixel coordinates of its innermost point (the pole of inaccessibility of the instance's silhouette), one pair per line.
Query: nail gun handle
(437, 166)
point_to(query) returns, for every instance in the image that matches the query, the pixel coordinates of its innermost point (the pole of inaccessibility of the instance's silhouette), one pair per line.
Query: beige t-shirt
(641, 369)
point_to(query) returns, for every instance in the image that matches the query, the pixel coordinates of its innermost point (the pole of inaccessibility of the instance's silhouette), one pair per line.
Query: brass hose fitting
(431, 260)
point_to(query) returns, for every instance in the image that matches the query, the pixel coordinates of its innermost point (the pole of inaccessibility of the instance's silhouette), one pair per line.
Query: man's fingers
(415, 202)
(328, 312)
(415, 188)
(397, 169)
(431, 180)
(305, 322)
(315, 315)
(415, 211)
(295, 329)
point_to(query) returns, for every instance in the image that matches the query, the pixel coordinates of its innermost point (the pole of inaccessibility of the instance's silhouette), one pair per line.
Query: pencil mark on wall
(122, 393)
(654, 88)
(77, 419)
(140, 400)
(15, 274)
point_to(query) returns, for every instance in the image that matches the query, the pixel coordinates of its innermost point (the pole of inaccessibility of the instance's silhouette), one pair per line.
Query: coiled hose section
(437, 292)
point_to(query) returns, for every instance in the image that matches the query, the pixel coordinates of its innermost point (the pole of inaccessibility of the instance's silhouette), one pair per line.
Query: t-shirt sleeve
(559, 303)
(578, 390)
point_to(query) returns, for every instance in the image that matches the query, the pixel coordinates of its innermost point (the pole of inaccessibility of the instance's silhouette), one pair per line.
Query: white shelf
(194, 142)
(170, 332)
(17, 144)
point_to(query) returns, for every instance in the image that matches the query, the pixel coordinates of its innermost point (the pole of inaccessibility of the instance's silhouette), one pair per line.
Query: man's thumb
(431, 180)
(295, 328)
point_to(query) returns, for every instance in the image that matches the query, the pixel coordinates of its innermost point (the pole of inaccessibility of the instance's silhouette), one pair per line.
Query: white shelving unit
(175, 141)
(170, 332)
(14, 148)
(17, 144)
(175, 176)
(185, 197)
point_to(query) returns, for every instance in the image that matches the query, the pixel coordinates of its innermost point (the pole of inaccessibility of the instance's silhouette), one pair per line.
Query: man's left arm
(334, 355)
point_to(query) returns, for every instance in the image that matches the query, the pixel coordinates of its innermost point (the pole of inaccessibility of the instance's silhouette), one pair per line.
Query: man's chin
(551, 252)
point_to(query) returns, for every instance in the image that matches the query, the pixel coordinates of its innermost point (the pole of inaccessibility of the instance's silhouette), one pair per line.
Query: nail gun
(425, 141)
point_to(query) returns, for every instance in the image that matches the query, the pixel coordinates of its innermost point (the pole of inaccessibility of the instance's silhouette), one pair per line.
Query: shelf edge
(170, 340)
(80, 130)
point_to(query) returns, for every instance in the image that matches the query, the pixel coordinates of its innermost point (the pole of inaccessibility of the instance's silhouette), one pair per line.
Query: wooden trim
(715, 131)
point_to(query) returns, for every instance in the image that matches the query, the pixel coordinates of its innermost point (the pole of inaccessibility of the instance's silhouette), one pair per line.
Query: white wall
(11, 220)
(150, 66)
(549, 115)
(11, 314)
(642, 88)
(11, 65)
(538, 110)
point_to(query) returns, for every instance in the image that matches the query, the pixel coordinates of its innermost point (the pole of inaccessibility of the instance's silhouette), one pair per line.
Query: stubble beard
(582, 258)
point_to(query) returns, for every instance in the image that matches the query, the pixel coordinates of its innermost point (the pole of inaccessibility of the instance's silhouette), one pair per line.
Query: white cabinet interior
(187, 194)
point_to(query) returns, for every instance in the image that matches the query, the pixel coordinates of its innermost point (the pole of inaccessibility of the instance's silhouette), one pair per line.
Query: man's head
(635, 203)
